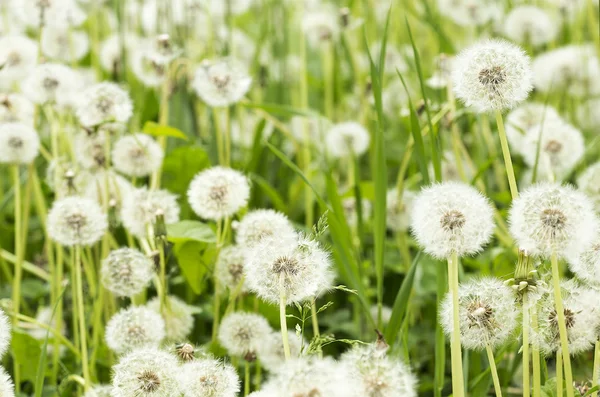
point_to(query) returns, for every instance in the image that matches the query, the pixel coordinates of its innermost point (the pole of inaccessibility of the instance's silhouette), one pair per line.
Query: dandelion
(321, 25)
(209, 378)
(351, 212)
(90, 149)
(126, 272)
(134, 328)
(271, 351)
(102, 103)
(589, 183)
(64, 45)
(308, 130)
(49, 83)
(242, 334)
(19, 143)
(398, 213)
(179, 317)
(526, 117)
(149, 67)
(442, 77)
(377, 375)
(347, 140)
(587, 116)
(258, 225)
(18, 57)
(137, 155)
(530, 25)
(99, 391)
(469, 12)
(243, 134)
(221, 83)
(16, 108)
(586, 265)
(76, 221)
(236, 7)
(140, 208)
(7, 389)
(229, 269)
(46, 317)
(5, 333)
(218, 192)
(106, 185)
(147, 372)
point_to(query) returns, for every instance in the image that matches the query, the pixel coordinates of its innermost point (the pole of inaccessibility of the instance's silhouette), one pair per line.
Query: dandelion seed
(347, 140)
(261, 224)
(134, 328)
(221, 83)
(102, 103)
(19, 143)
(242, 334)
(137, 155)
(179, 318)
(209, 378)
(139, 210)
(126, 272)
(76, 221)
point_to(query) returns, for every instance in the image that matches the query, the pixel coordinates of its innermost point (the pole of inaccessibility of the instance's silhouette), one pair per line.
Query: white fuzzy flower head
(377, 375)
(300, 270)
(560, 149)
(45, 316)
(147, 372)
(218, 192)
(126, 271)
(549, 218)
(469, 12)
(134, 328)
(586, 265)
(64, 45)
(209, 378)
(321, 25)
(221, 83)
(530, 25)
(271, 353)
(351, 210)
(398, 213)
(90, 149)
(523, 118)
(5, 333)
(581, 320)
(99, 391)
(76, 221)
(50, 82)
(140, 209)
(19, 143)
(105, 183)
(492, 75)
(452, 217)
(18, 57)
(486, 310)
(137, 155)
(7, 389)
(237, 7)
(589, 183)
(179, 317)
(242, 334)
(347, 139)
(16, 108)
(261, 224)
(442, 76)
(587, 115)
(104, 102)
(149, 67)
(229, 269)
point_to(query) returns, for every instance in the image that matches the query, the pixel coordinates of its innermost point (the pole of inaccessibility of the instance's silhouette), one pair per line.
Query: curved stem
(283, 320)
(510, 172)
(458, 387)
(494, 371)
(526, 386)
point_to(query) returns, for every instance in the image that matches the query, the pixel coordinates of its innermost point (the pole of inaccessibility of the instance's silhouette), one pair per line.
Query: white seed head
(261, 224)
(76, 221)
(107, 183)
(148, 66)
(442, 76)
(221, 82)
(399, 210)
(470, 12)
(64, 45)
(321, 25)
(525, 117)
(242, 334)
(209, 378)
(561, 147)
(146, 372)
(50, 83)
(347, 139)
(179, 317)
(19, 143)
(487, 312)
(386, 313)
(102, 103)
(309, 130)
(452, 217)
(57, 13)
(528, 24)
(7, 389)
(137, 155)
(587, 115)
(18, 57)
(99, 391)
(351, 212)
(586, 265)
(236, 7)
(218, 192)
(374, 374)
(126, 272)
(44, 316)
(300, 270)
(589, 183)
(229, 269)
(134, 328)
(550, 218)
(5, 333)
(90, 149)
(243, 130)
(271, 353)
(492, 75)
(16, 108)
(140, 208)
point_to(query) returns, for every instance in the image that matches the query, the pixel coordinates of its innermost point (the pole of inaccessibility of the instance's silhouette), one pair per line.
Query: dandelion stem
(283, 319)
(81, 317)
(562, 325)
(596, 367)
(535, 353)
(246, 378)
(526, 385)
(494, 371)
(559, 373)
(510, 172)
(458, 387)
(18, 275)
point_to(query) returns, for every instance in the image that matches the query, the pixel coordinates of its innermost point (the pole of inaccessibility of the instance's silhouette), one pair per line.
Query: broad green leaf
(155, 129)
(189, 230)
(195, 259)
(27, 350)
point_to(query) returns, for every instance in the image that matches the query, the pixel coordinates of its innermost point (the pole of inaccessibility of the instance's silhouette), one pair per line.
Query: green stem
(510, 172)
(283, 320)
(562, 325)
(440, 342)
(458, 387)
(596, 367)
(246, 378)
(535, 353)
(559, 373)
(494, 371)
(526, 324)
(18, 275)
(163, 277)
(81, 316)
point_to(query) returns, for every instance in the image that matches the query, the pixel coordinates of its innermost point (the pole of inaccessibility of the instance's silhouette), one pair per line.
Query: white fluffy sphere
(134, 328)
(209, 378)
(140, 209)
(137, 155)
(523, 118)
(19, 143)
(104, 102)
(63, 44)
(347, 139)
(221, 83)
(18, 57)
(179, 317)
(589, 183)
(76, 221)
(126, 271)
(242, 334)
(530, 25)
(261, 224)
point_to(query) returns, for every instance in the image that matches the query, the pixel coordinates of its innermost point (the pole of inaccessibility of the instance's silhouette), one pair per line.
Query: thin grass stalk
(458, 388)
(494, 371)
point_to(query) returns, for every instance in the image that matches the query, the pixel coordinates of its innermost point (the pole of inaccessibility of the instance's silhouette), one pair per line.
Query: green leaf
(189, 230)
(27, 350)
(195, 260)
(155, 129)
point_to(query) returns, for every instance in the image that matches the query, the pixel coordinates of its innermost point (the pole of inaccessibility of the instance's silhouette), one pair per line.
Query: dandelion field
(299, 198)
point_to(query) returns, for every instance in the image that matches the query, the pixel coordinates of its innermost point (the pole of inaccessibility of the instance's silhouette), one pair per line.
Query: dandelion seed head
(19, 143)
(7, 388)
(399, 210)
(588, 117)
(126, 272)
(261, 224)
(50, 83)
(137, 155)
(221, 82)
(242, 334)
(469, 12)
(550, 218)
(149, 66)
(229, 268)
(99, 391)
(16, 108)
(589, 183)
(179, 319)
(139, 209)
(5, 333)
(528, 24)
(64, 45)
(347, 139)
(321, 25)
(351, 211)
(586, 265)
(107, 183)
(18, 57)
(209, 378)
(452, 217)
(134, 328)
(442, 76)
(90, 149)
(104, 102)
(218, 192)
(271, 353)
(76, 221)
(524, 118)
